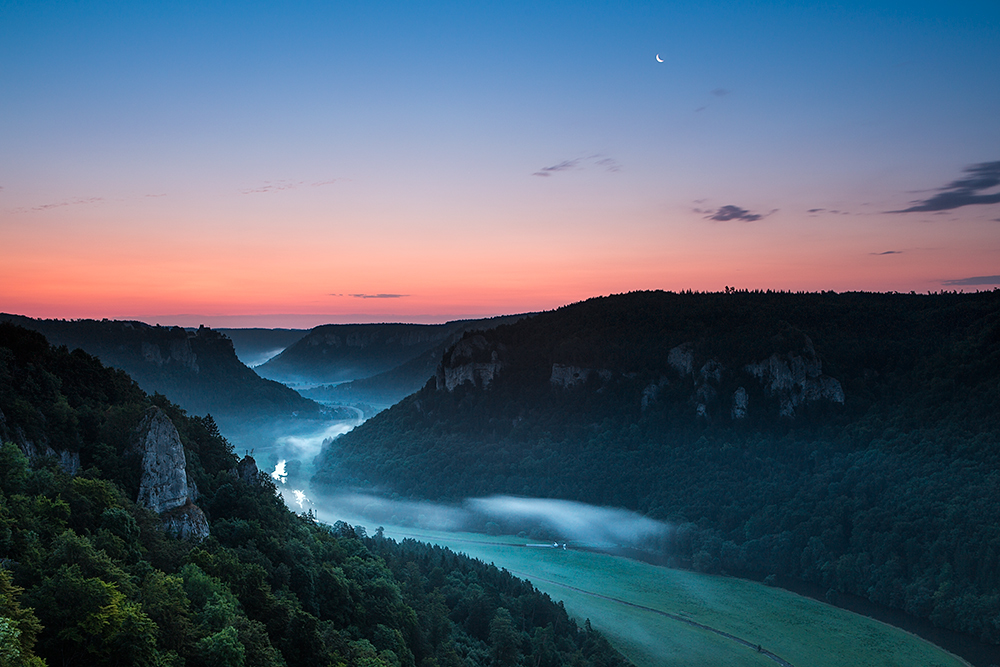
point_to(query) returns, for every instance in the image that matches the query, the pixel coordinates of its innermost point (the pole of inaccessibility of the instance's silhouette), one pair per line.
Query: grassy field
(603, 588)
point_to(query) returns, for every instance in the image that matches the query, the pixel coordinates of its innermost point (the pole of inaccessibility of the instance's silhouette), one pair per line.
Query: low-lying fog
(535, 518)
(288, 458)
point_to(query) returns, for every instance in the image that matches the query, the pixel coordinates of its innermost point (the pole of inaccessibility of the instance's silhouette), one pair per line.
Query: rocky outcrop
(740, 403)
(68, 461)
(187, 522)
(681, 358)
(569, 376)
(246, 470)
(472, 359)
(163, 483)
(796, 378)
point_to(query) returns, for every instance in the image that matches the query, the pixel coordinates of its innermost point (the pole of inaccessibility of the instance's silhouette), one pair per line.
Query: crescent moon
(658, 58)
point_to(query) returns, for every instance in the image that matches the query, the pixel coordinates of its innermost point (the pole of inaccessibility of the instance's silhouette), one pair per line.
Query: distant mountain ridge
(383, 362)
(256, 345)
(850, 440)
(198, 369)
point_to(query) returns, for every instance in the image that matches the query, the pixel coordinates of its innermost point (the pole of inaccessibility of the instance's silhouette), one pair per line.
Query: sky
(292, 164)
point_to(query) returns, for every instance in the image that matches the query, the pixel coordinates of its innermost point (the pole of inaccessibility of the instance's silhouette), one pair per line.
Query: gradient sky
(254, 163)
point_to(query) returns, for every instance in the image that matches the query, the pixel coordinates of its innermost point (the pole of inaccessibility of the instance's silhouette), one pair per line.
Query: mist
(287, 456)
(599, 527)
(257, 358)
(563, 521)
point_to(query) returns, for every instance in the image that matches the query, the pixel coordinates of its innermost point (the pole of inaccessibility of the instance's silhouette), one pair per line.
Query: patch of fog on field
(539, 518)
(588, 524)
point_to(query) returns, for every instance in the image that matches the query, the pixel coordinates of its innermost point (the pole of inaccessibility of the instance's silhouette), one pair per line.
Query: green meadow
(604, 588)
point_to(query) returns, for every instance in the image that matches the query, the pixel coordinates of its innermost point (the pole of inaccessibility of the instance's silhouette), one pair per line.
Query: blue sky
(479, 158)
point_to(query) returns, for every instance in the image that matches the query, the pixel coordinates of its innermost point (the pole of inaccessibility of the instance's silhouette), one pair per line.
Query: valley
(659, 616)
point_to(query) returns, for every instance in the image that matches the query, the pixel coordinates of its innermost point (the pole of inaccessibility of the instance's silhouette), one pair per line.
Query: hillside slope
(849, 440)
(197, 369)
(92, 573)
(256, 345)
(335, 353)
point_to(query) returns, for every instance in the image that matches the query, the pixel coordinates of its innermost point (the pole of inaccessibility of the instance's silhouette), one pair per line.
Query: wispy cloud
(887, 252)
(600, 161)
(378, 296)
(730, 212)
(963, 192)
(278, 186)
(562, 166)
(975, 280)
(73, 202)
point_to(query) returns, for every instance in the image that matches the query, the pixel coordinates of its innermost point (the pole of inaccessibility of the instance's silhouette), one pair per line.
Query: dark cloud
(963, 192)
(720, 92)
(378, 296)
(610, 164)
(887, 252)
(975, 280)
(726, 213)
(562, 166)
(602, 161)
(816, 210)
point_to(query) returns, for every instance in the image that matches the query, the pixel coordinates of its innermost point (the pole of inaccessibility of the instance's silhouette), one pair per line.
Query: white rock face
(681, 358)
(481, 374)
(68, 461)
(740, 403)
(795, 379)
(163, 485)
(458, 366)
(187, 522)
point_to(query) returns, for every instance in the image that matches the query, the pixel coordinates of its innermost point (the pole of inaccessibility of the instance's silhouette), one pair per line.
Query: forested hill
(343, 352)
(197, 369)
(89, 575)
(852, 440)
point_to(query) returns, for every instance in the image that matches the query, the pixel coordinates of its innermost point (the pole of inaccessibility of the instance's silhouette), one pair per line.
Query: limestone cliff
(163, 485)
(472, 359)
(796, 378)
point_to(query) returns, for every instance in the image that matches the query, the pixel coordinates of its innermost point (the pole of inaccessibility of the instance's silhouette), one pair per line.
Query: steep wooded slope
(197, 369)
(846, 439)
(89, 576)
